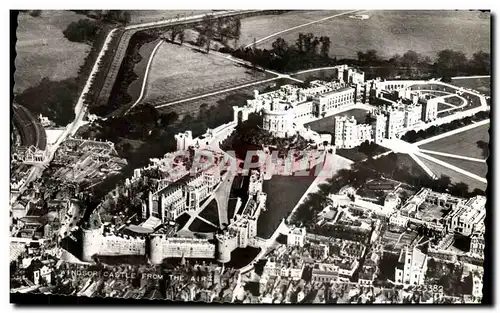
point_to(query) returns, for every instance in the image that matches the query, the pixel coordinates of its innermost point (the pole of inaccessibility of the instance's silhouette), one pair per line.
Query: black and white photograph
(251, 156)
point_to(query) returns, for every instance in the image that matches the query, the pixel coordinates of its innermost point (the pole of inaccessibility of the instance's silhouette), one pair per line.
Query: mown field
(388, 32)
(179, 72)
(236, 97)
(482, 84)
(43, 51)
(464, 143)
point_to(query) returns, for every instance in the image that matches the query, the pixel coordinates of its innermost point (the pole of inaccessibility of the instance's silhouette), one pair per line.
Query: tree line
(309, 51)
(413, 136)
(107, 16)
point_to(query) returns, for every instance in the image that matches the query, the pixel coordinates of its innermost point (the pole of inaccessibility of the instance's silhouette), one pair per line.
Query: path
(455, 156)
(466, 77)
(145, 79)
(453, 167)
(413, 150)
(299, 26)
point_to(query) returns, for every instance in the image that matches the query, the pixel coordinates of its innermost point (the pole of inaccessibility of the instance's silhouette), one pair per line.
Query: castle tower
(156, 249)
(223, 253)
(91, 243)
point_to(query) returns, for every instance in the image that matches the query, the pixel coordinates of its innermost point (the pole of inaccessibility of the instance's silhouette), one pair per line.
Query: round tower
(156, 249)
(91, 243)
(223, 253)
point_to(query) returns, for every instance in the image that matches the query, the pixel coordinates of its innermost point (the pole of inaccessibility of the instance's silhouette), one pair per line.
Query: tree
(300, 43)
(280, 47)
(208, 42)
(83, 30)
(444, 182)
(460, 189)
(325, 46)
(314, 45)
(181, 36)
(410, 59)
(480, 63)
(450, 63)
(484, 146)
(200, 41)
(36, 13)
(308, 39)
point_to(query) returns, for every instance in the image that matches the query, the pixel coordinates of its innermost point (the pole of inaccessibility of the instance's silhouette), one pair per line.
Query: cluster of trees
(56, 99)
(53, 99)
(35, 13)
(310, 51)
(220, 29)
(485, 148)
(107, 16)
(413, 136)
(175, 31)
(84, 30)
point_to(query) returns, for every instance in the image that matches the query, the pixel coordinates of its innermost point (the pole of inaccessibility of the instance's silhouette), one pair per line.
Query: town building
(296, 236)
(411, 268)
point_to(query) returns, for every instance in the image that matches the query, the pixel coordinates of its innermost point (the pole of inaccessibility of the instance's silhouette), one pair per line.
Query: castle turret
(91, 243)
(156, 249)
(223, 252)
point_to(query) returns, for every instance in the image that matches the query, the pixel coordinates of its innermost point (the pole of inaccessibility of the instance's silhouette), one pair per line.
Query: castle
(242, 229)
(105, 240)
(395, 106)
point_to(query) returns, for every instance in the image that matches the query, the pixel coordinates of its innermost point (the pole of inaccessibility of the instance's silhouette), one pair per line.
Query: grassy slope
(454, 176)
(463, 143)
(43, 51)
(388, 32)
(180, 71)
(477, 168)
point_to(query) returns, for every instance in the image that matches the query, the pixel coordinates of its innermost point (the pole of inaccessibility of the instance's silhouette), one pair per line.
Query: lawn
(211, 213)
(454, 176)
(443, 106)
(202, 227)
(388, 32)
(146, 16)
(179, 72)
(327, 124)
(43, 51)
(482, 85)
(463, 143)
(478, 168)
(454, 100)
(284, 192)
